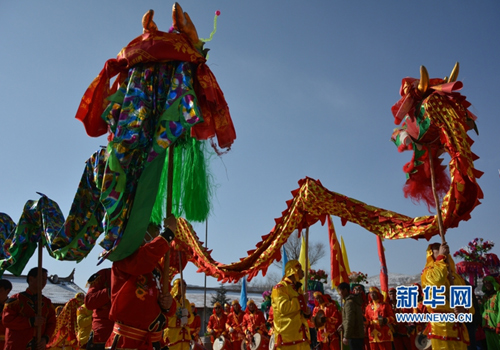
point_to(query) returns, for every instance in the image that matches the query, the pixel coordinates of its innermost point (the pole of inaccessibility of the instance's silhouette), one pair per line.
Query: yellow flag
(302, 258)
(344, 255)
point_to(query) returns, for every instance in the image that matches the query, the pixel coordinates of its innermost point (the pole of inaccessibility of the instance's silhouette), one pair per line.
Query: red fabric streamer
(384, 279)
(337, 267)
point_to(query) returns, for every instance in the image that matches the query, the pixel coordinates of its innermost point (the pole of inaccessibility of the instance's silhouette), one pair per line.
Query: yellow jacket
(450, 335)
(176, 336)
(290, 325)
(84, 324)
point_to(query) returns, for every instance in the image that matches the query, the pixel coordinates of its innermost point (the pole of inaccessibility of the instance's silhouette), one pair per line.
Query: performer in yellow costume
(440, 271)
(177, 335)
(291, 310)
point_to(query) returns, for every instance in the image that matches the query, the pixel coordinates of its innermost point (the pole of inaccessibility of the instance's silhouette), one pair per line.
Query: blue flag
(243, 295)
(285, 260)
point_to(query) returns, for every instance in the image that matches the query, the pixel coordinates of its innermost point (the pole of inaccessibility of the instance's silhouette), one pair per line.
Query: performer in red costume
(254, 322)
(138, 307)
(379, 316)
(417, 328)
(98, 299)
(5, 288)
(195, 326)
(217, 323)
(21, 320)
(234, 325)
(401, 329)
(328, 338)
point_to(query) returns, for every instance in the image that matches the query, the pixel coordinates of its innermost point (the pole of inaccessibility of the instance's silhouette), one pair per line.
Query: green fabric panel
(160, 206)
(21, 257)
(60, 254)
(140, 213)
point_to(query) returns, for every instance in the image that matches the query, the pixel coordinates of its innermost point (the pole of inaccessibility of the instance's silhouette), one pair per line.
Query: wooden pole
(39, 280)
(170, 185)
(181, 285)
(342, 331)
(436, 197)
(205, 285)
(306, 268)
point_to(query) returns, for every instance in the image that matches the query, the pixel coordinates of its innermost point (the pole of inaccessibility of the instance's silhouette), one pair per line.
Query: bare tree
(272, 279)
(292, 247)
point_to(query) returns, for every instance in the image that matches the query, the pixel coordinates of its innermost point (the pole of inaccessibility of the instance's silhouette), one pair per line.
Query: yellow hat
(176, 289)
(292, 267)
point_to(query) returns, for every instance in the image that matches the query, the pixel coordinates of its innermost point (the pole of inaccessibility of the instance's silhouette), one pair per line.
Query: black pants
(91, 345)
(356, 343)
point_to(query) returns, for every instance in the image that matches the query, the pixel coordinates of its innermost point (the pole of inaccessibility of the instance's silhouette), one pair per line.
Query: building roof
(58, 290)
(196, 295)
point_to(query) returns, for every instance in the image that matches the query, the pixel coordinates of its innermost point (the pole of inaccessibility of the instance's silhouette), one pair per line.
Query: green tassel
(192, 183)
(196, 190)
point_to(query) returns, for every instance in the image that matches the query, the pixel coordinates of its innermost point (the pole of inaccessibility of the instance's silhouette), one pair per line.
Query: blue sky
(309, 85)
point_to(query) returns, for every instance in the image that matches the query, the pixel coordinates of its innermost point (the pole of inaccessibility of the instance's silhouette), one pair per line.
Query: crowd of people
(127, 307)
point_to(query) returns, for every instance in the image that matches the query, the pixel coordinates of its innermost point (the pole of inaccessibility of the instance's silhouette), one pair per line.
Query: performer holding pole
(291, 310)
(177, 335)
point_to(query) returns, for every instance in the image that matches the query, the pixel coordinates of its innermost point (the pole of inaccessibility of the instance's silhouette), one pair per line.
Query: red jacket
(254, 322)
(18, 317)
(135, 292)
(235, 321)
(2, 329)
(218, 325)
(377, 332)
(195, 327)
(98, 299)
(333, 316)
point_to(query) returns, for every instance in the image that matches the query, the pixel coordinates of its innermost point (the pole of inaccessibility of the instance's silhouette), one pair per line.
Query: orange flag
(337, 267)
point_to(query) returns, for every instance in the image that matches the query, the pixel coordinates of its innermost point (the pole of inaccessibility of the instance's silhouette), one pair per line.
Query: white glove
(184, 320)
(184, 313)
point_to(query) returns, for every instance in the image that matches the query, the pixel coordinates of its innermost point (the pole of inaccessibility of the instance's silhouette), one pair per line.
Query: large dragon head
(434, 119)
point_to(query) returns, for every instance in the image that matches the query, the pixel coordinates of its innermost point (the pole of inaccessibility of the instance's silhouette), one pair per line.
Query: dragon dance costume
(84, 325)
(379, 335)
(234, 325)
(217, 323)
(177, 335)
(18, 317)
(290, 325)
(255, 322)
(195, 325)
(65, 334)
(98, 299)
(327, 334)
(401, 334)
(444, 335)
(135, 287)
